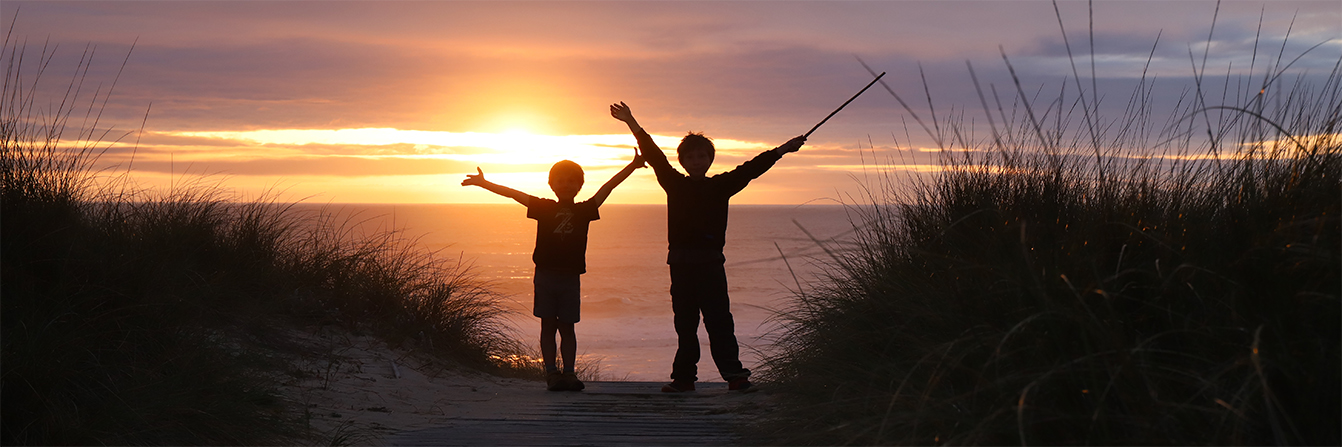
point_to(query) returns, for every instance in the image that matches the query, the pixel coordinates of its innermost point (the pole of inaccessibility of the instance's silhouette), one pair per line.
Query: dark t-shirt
(561, 234)
(696, 208)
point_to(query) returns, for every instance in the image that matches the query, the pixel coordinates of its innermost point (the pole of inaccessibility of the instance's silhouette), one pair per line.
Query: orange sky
(397, 101)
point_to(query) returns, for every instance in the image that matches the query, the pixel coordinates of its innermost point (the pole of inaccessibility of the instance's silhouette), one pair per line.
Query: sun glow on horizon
(516, 146)
(395, 165)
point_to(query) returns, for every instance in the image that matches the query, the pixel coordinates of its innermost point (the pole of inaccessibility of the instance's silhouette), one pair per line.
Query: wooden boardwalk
(606, 413)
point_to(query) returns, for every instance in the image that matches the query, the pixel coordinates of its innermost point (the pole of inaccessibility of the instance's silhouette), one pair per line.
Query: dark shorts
(558, 295)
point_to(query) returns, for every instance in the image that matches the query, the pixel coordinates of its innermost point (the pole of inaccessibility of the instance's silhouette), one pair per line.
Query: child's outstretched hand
(792, 145)
(477, 179)
(621, 112)
(638, 160)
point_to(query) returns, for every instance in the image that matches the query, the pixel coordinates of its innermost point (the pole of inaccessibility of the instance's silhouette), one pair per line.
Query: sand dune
(359, 388)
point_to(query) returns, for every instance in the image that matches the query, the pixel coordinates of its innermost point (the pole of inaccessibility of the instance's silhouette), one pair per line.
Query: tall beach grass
(1070, 279)
(135, 316)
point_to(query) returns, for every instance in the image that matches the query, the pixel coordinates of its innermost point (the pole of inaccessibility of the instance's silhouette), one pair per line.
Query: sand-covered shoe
(678, 387)
(741, 384)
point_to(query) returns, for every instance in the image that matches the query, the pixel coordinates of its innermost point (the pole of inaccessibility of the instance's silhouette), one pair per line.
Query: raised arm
(736, 179)
(601, 194)
(478, 179)
(652, 154)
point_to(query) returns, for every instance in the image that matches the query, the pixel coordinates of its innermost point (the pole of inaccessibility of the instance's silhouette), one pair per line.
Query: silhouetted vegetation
(1098, 282)
(158, 317)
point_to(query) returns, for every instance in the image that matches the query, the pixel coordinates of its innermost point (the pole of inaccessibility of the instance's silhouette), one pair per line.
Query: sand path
(360, 391)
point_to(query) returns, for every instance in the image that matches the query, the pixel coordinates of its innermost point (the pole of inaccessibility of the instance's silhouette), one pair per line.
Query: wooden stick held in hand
(859, 93)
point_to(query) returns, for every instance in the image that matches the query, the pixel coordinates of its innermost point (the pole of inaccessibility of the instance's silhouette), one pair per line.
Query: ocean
(626, 305)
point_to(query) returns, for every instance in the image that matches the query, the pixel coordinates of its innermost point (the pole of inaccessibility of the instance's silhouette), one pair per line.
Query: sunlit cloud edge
(517, 146)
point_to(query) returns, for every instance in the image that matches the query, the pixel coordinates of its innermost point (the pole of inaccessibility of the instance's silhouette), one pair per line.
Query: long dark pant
(702, 288)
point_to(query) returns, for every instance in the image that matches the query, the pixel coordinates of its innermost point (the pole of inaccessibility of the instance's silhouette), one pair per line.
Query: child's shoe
(571, 382)
(678, 387)
(554, 381)
(741, 384)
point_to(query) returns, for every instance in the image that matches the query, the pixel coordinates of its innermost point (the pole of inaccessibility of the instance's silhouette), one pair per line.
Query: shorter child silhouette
(560, 257)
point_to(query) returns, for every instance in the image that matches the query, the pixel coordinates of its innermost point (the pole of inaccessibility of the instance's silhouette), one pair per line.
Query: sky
(395, 102)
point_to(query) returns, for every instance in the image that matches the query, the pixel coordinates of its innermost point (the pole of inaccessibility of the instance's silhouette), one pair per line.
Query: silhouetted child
(696, 225)
(560, 257)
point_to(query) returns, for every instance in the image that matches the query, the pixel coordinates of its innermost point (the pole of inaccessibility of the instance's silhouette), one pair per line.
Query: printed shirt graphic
(561, 234)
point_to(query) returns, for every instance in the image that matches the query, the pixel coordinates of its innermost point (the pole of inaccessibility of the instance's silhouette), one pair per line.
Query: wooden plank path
(605, 413)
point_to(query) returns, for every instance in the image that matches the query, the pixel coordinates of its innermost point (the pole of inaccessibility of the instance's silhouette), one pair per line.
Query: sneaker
(741, 384)
(678, 387)
(571, 382)
(554, 381)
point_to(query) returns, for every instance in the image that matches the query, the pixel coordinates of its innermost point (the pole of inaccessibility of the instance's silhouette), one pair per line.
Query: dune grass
(154, 317)
(1133, 281)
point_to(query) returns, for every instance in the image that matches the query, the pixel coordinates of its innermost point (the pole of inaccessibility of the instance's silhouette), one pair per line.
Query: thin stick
(859, 93)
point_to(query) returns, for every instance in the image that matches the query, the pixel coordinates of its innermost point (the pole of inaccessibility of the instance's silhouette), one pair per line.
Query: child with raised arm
(696, 225)
(560, 257)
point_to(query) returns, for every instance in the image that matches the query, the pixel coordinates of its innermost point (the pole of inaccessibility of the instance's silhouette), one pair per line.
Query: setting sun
(516, 146)
(387, 164)
(390, 165)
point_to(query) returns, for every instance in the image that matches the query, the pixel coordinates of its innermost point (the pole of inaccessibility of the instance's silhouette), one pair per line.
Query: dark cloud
(1108, 43)
(317, 166)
